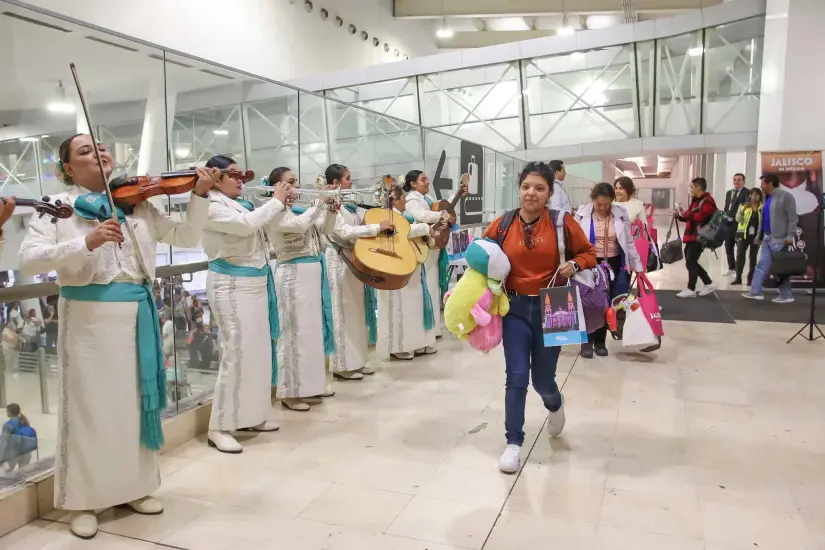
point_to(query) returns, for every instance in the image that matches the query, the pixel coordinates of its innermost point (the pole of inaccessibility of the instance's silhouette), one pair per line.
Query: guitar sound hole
(388, 232)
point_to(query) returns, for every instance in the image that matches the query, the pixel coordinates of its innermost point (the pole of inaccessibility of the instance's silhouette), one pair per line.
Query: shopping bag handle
(670, 229)
(645, 286)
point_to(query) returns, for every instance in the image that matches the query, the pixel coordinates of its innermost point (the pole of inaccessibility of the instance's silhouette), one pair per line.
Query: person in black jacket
(734, 198)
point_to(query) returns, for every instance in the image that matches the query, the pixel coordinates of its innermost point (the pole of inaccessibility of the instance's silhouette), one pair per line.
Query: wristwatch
(575, 266)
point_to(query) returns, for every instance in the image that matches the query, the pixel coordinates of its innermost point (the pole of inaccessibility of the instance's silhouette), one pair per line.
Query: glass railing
(702, 82)
(159, 111)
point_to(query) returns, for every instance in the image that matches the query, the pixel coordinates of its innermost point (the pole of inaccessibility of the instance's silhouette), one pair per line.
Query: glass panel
(581, 97)
(733, 71)
(679, 81)
(646, 84)
(481, 104)
(396, 98)
(315, 129)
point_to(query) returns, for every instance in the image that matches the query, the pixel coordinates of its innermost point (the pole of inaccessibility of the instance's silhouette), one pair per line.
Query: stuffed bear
(474, 307)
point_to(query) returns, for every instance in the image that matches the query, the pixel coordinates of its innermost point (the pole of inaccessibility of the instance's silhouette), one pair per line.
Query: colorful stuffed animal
(474, 307)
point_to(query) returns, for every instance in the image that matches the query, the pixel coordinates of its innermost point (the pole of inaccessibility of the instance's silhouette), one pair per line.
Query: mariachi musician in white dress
(353, 303)
(406, 325)
(243, 302)
(304, 300)
(111, 375)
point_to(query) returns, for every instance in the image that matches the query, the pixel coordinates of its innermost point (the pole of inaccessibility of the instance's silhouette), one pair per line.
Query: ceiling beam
(437, 9)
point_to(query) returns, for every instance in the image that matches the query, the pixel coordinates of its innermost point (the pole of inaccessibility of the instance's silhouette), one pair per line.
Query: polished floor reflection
(717, 442)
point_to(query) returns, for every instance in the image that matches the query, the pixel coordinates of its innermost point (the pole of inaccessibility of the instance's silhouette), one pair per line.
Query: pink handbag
(650, 306)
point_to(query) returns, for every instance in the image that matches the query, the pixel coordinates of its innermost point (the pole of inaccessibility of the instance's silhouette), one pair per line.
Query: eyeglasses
(528, 236)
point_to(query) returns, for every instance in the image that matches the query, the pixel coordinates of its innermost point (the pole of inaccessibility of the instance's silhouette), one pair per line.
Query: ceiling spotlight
(324, 13)
(220, 132)
(351, 28)
(376, 42)
(406, 58)
(397, 53)
(386, 47)
(29, 139)
(364, 35)
(696, 52)
(308, 5)
(444, 30)
(339, 21)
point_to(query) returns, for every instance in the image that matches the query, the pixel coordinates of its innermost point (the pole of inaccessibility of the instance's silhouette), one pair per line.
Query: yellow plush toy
(474, 307)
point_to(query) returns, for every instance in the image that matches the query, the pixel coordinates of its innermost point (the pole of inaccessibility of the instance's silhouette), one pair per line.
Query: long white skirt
(401, 318)
(432, 285)
(242, 397)
(301, 360)
(100, 461)
(349, 315)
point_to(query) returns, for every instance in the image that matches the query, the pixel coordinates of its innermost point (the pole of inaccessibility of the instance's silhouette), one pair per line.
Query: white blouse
(348, 228)
(635, 209)
(237, 235)
(419, 208)
(61, 246)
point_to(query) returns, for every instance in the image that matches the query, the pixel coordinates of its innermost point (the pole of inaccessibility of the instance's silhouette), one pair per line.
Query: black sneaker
(601, 350)
(587, 351)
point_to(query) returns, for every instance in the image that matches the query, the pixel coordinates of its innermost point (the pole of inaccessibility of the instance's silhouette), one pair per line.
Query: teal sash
(246, 204)
(298, 210)
(351, 207)
(326, 299)
(149, 347)
(225, 268)
(443, 263)
(429, 318)
(95, 207)
(371, 307)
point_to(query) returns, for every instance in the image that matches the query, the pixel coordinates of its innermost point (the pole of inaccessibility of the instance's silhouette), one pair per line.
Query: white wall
(270, 38)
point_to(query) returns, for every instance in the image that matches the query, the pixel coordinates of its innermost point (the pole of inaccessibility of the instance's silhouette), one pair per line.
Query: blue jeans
(524, 352)
(767, 249)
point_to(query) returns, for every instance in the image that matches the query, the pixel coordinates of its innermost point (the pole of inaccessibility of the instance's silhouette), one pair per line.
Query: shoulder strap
(557, 217)
(504, 227)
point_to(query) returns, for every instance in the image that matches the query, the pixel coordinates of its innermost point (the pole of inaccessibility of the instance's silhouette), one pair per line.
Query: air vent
(116, 45)
(213, 73)
(34, 21)
(170, 61)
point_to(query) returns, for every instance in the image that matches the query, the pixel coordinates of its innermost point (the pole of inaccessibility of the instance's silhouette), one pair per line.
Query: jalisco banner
(800, 174)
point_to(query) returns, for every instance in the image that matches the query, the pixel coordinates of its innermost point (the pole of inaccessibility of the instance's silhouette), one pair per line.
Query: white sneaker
(781, 300)
(687, 293)
(84, 525)
(750, 296)
(223, 441)
(708, 289)
(510, 459)
(555, 420)
(348, 375)
(366, 369)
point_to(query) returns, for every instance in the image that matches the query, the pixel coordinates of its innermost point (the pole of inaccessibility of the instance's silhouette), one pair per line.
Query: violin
(44, 207)
(135, 189)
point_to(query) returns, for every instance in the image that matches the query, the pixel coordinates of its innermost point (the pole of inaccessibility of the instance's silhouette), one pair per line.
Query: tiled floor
(716, 442)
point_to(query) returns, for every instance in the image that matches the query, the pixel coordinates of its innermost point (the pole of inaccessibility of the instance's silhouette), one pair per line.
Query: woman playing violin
(110, 363)
(407, 316)
(304, 300)
(242, 299)
(353, 303)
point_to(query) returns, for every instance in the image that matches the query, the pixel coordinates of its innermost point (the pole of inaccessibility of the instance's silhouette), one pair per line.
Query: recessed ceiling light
(565, 31)
(29, 139)
(444, 32)
(220, 132)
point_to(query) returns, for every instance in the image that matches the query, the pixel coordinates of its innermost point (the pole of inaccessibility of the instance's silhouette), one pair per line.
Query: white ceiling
(478, 23)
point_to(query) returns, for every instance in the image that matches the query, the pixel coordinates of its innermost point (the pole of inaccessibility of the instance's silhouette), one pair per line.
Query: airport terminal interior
(713, 441)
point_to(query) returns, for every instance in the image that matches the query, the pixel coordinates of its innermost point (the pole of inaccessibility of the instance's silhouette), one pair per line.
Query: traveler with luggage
(698, 214)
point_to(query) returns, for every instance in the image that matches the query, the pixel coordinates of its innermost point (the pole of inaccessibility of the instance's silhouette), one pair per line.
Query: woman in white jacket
(111, 375)
(419, 205)
(242, 298)
(608, 227)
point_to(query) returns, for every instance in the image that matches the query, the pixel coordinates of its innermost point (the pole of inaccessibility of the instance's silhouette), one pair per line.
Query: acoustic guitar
(386, 261)
(442, 236)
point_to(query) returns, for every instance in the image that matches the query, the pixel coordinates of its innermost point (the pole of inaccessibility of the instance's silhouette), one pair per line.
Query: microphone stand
(811, 324)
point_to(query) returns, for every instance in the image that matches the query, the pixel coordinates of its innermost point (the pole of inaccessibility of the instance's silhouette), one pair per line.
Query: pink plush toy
(487, 334)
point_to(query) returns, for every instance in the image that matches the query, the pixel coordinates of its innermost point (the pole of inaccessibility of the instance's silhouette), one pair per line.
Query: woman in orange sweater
(531, 246)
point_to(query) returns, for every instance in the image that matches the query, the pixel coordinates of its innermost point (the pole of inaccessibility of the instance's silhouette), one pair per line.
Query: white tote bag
(637, 332)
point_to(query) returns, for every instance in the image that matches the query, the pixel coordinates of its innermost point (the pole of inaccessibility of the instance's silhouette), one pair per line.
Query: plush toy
(474, 307)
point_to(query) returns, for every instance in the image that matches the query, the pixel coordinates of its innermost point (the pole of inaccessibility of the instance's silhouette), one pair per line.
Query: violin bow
(94, 141)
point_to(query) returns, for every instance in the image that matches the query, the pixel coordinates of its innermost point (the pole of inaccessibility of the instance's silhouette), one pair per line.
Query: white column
(792, 75)
(160, 110)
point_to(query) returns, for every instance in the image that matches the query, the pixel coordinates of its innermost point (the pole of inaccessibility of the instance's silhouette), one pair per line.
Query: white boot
(84, 524)
(348, 375)
(294, 404)
(366, 369)
(223, 441)
(148, 506)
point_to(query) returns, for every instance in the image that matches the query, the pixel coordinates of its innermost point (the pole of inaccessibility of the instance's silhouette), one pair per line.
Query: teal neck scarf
(95, 207)
(225, 268)
(326, 299)
(149, 348)
(443, 272)
(245, 203)
(298, 210)
(351, 207)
